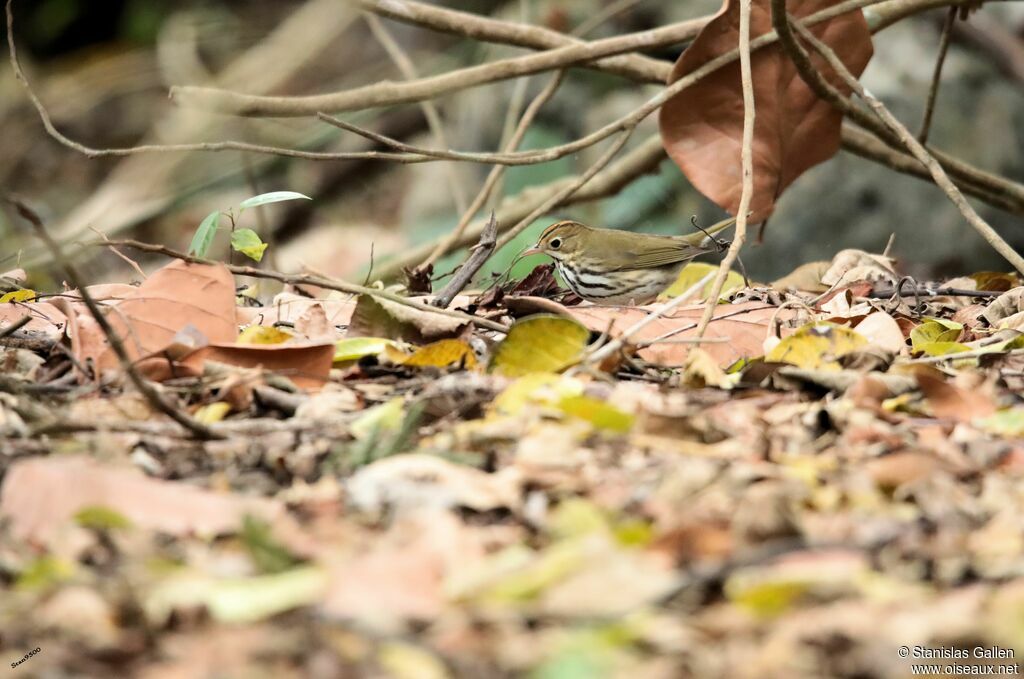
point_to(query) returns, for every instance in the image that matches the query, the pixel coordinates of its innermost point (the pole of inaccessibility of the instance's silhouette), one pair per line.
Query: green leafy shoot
(203, 238)
(272, 197)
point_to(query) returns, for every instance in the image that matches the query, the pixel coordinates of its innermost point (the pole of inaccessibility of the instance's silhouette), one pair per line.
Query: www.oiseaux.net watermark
(980, 661)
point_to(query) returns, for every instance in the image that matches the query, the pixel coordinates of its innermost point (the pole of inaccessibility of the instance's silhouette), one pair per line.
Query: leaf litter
(408, 494)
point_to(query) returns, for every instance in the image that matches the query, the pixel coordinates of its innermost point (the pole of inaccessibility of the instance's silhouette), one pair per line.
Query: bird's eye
(555, 243)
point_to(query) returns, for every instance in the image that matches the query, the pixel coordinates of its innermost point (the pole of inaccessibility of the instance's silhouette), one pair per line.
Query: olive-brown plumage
(606, 266)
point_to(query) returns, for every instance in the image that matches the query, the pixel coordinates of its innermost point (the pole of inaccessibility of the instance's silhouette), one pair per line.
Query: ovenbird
(606, 266)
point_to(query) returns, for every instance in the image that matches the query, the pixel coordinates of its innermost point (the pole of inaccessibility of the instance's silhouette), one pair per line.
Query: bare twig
(430, 112)
(641, 160)
(390, 93)
(995, 190)
(496, 173)
(866, 145)
(481, 253)
(747, 169)
(896, 127)
(14, 327)
(305, 279)
(933, 89)
(151, 394)
(571, 188)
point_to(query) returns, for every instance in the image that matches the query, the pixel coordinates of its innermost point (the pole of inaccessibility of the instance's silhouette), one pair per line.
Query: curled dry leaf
(850, 266)
(883, 331)
(176, 296)
(375, 317)
(702, 126)
(307, 365)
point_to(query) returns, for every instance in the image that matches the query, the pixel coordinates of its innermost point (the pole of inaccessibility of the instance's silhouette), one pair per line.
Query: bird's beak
(533, 250)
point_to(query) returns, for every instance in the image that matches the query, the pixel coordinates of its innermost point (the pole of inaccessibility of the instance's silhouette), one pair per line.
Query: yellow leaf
(700, 370)
(24, 295)
(354, 348)
(263, 334)
(693, 272)
(817, 346)
(405, 661)
(214, 412)
(535, 388)
(540, 344)
(442, 354)
(597, 413)
(934, 331)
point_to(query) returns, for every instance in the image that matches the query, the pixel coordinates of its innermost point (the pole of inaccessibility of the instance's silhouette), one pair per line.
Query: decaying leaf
(375, 317)
(539, 344)
(817, 346)
(701, 127)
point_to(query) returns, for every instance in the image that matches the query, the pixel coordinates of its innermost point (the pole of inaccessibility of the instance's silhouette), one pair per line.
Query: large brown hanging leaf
(702, 126)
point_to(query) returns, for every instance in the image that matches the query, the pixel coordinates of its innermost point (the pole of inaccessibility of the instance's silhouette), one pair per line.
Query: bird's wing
(672, 252)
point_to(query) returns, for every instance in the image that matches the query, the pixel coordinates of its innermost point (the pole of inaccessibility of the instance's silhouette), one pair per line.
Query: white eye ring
(555, 243)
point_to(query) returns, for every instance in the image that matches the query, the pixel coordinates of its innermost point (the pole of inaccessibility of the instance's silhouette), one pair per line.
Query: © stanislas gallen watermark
(949, 652)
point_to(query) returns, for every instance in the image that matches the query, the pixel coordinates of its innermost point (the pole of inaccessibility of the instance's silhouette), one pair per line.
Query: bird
(612, 267)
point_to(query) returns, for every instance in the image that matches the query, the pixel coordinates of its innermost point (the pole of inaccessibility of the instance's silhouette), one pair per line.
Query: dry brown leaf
(176, 296)
(47, 319)
(314, 325)
(851, 265)
(74, 483)
(745, 326)
(949, 401)
(306, 365)
(702, 126)
(287, 307)
(883, 331)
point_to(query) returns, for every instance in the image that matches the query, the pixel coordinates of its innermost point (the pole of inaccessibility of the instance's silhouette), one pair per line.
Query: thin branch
(993, 189)
(430, 112)
(498, 171)
(905, 137)
(149, 392)
(482, 251)
(561, 195)
(644, 69)
(388, 93)
(642, 160)
(933, 89)
(862, 143)
(747, 170)
(305, 279)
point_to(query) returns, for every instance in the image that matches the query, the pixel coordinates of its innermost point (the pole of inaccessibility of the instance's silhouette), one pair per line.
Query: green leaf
(203, 238)
(541, 343)
(354, 348)
(272, 197)
(269, 555)
(248, 243)
(99, 517)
